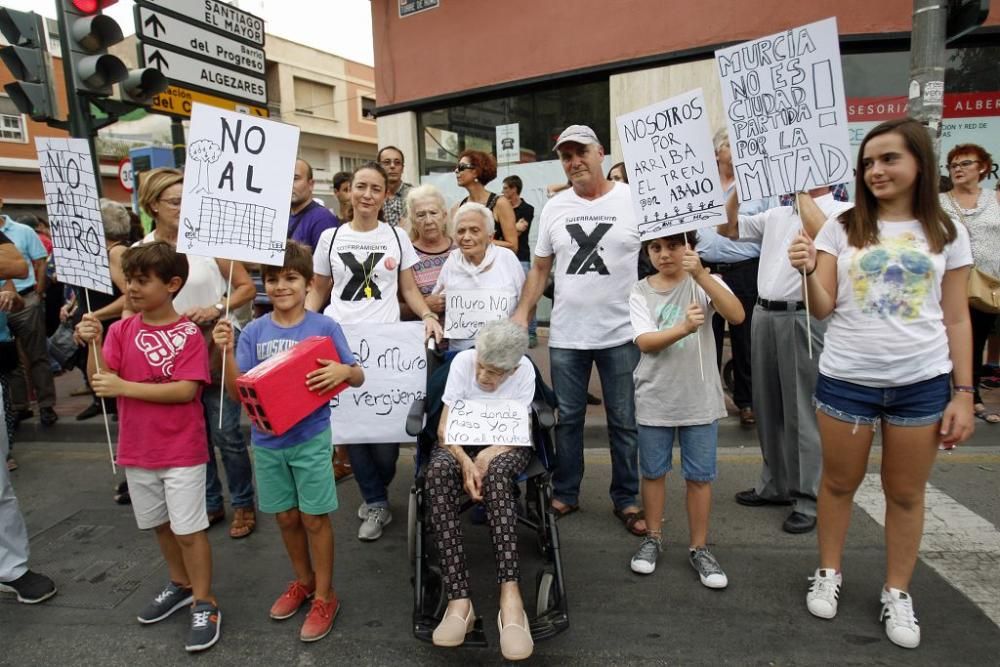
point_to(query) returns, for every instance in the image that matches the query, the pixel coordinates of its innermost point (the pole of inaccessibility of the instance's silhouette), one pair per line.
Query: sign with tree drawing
(237, 186)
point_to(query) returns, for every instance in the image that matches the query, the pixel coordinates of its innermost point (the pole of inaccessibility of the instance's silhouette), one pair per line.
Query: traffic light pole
(927, 66)
(81, 123)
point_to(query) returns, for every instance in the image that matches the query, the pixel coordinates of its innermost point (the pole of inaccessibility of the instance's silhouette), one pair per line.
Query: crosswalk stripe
(960, 545)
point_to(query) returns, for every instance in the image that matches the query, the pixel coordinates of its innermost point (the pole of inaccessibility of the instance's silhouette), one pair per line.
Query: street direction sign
(156, 27)
(215, 14)
(186, 71)
(177, 101)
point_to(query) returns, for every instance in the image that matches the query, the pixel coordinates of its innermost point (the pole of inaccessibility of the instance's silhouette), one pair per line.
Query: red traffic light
(91, 6)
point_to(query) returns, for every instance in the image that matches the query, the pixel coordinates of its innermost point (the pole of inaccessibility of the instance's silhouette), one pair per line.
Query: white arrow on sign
(185, 70)
(190, 38)
(217, 14)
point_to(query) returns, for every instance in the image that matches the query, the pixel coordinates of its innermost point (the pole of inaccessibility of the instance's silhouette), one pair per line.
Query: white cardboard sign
(468, 310)
(237, 186)
(671, 166)
(786, 111)
(490, 422)
(74, 210)
(394, 360)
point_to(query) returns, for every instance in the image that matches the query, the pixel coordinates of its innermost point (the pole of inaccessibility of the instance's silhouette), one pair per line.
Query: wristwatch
(221, 308)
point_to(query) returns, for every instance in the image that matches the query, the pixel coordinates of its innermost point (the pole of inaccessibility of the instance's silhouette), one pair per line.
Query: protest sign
(394, 360)
(237, 186)
(468, 310)
(74, 209)
(671, 165)
(786, 112)
(491, 422)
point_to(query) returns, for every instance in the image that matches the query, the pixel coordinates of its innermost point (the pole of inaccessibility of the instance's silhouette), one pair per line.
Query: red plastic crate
(275, 394)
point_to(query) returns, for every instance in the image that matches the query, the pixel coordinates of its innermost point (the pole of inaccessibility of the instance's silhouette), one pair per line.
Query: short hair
(484, 164)
(29, 220)
(298, 258)
(478, 209)
(117, 223)
(514, 182)
(688, 237)
(501, 344)
(720, 137)
(378, 156)
(309, 169)
(158, 258)
(420, 193)
(340, 178)
(985, 159)
(153, 183)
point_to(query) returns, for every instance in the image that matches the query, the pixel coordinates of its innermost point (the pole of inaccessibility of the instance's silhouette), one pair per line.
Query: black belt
(780, 305)
(722, 267)
(26, 291)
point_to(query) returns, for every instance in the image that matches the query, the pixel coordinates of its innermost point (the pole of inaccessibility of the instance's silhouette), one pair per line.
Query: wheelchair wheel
(545, 592)
(411, 526)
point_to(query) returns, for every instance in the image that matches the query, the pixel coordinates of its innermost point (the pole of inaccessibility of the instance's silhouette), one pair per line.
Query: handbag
(984, 289)
(62, 347)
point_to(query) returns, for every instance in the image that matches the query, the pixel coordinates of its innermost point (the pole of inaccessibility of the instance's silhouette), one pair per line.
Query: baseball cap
(580, 134)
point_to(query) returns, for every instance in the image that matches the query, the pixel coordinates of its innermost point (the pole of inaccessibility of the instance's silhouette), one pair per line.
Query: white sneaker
(708, 569)
(644, 560)
(901, 625)
(824, 592)
(363, 511)
(371, 529)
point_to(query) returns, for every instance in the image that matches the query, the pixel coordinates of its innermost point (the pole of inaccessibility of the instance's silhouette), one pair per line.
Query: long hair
(861, 221)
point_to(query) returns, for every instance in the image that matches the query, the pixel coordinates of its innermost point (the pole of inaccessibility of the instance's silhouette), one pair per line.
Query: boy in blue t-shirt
(295, 470)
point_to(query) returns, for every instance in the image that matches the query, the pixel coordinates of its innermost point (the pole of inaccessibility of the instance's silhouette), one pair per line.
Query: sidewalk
(731, 433)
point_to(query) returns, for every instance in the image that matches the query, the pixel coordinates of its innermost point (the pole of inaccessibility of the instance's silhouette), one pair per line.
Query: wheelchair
(429, 597)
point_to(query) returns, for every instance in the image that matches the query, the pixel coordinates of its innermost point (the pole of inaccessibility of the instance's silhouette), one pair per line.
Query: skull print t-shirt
(596, 249)
(365, 269)
(887, 327)
(159, 435)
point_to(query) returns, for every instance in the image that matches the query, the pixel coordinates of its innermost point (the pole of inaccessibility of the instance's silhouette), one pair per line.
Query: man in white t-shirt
(588, 233)
(784, 377)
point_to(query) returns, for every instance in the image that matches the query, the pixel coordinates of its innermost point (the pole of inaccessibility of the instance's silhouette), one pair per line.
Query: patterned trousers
(444, 490)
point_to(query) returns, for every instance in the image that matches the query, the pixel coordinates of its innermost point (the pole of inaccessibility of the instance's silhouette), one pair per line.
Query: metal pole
(927, 65)
(177, 139)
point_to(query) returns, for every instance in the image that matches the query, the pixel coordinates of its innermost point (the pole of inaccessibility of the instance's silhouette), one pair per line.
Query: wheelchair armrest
(546, 416)
(415, 418)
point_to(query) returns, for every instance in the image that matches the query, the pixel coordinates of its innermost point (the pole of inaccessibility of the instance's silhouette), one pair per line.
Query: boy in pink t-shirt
(155, 363)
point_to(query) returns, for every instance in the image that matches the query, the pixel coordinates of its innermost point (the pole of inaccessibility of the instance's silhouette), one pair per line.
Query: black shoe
(30, 587)
(751, 499)
(592, 400)
(797, 522)
(47, 416)
(89, 412)
(21, 415)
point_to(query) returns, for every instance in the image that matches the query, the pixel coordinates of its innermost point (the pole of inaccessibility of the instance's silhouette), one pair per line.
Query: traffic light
(142, 85)
(28, 60)
(89, 33)
(964, 16)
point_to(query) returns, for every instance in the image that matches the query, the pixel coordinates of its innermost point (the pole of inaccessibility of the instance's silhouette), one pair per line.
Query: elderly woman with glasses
(474, 170)
(495, 369)
(978, 210)
(479, 263)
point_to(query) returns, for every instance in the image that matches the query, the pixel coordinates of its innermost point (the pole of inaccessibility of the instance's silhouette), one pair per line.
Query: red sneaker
(290, 601)
(319, 621)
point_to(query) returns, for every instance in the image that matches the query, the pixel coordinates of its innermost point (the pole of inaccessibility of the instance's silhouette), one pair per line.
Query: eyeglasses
(964, 164)
(463, 166)
(391, 163)
(172, 202)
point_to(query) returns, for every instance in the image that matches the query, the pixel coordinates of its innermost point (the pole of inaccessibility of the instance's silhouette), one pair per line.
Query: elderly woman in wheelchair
(495, 369)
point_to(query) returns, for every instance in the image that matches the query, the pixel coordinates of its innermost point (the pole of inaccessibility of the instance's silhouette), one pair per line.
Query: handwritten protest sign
(74, 212)
(671, 164)
(492, 422)
(468, 310)
(394, 359)
(237, 186)
(786, 111)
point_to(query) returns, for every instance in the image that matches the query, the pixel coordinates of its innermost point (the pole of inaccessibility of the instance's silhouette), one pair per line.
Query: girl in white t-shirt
(360, 267)
(891, 273)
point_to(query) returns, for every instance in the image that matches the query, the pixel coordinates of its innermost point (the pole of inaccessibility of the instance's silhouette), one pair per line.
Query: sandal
(747, 417)
(244, 522)
(630, 518)
(988, 417)
(563, 511)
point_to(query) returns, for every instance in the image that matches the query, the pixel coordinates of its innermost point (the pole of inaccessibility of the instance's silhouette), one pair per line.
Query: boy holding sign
(156, 363)
(673, 397)
(295, 470)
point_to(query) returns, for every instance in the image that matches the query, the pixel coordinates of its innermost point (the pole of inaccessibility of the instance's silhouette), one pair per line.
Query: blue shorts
(918, 404)
(698, 443)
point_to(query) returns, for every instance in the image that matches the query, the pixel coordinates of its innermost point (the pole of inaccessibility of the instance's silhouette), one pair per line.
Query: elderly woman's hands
(472, 478)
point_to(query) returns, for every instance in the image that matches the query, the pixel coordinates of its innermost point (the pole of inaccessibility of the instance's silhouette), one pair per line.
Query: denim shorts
(918, 404)
(698, 443)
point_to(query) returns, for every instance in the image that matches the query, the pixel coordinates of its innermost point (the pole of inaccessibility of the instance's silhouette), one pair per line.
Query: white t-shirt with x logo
(596, 249)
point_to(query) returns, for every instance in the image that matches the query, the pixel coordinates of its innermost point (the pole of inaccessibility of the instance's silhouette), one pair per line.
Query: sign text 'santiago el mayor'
(217, 14)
